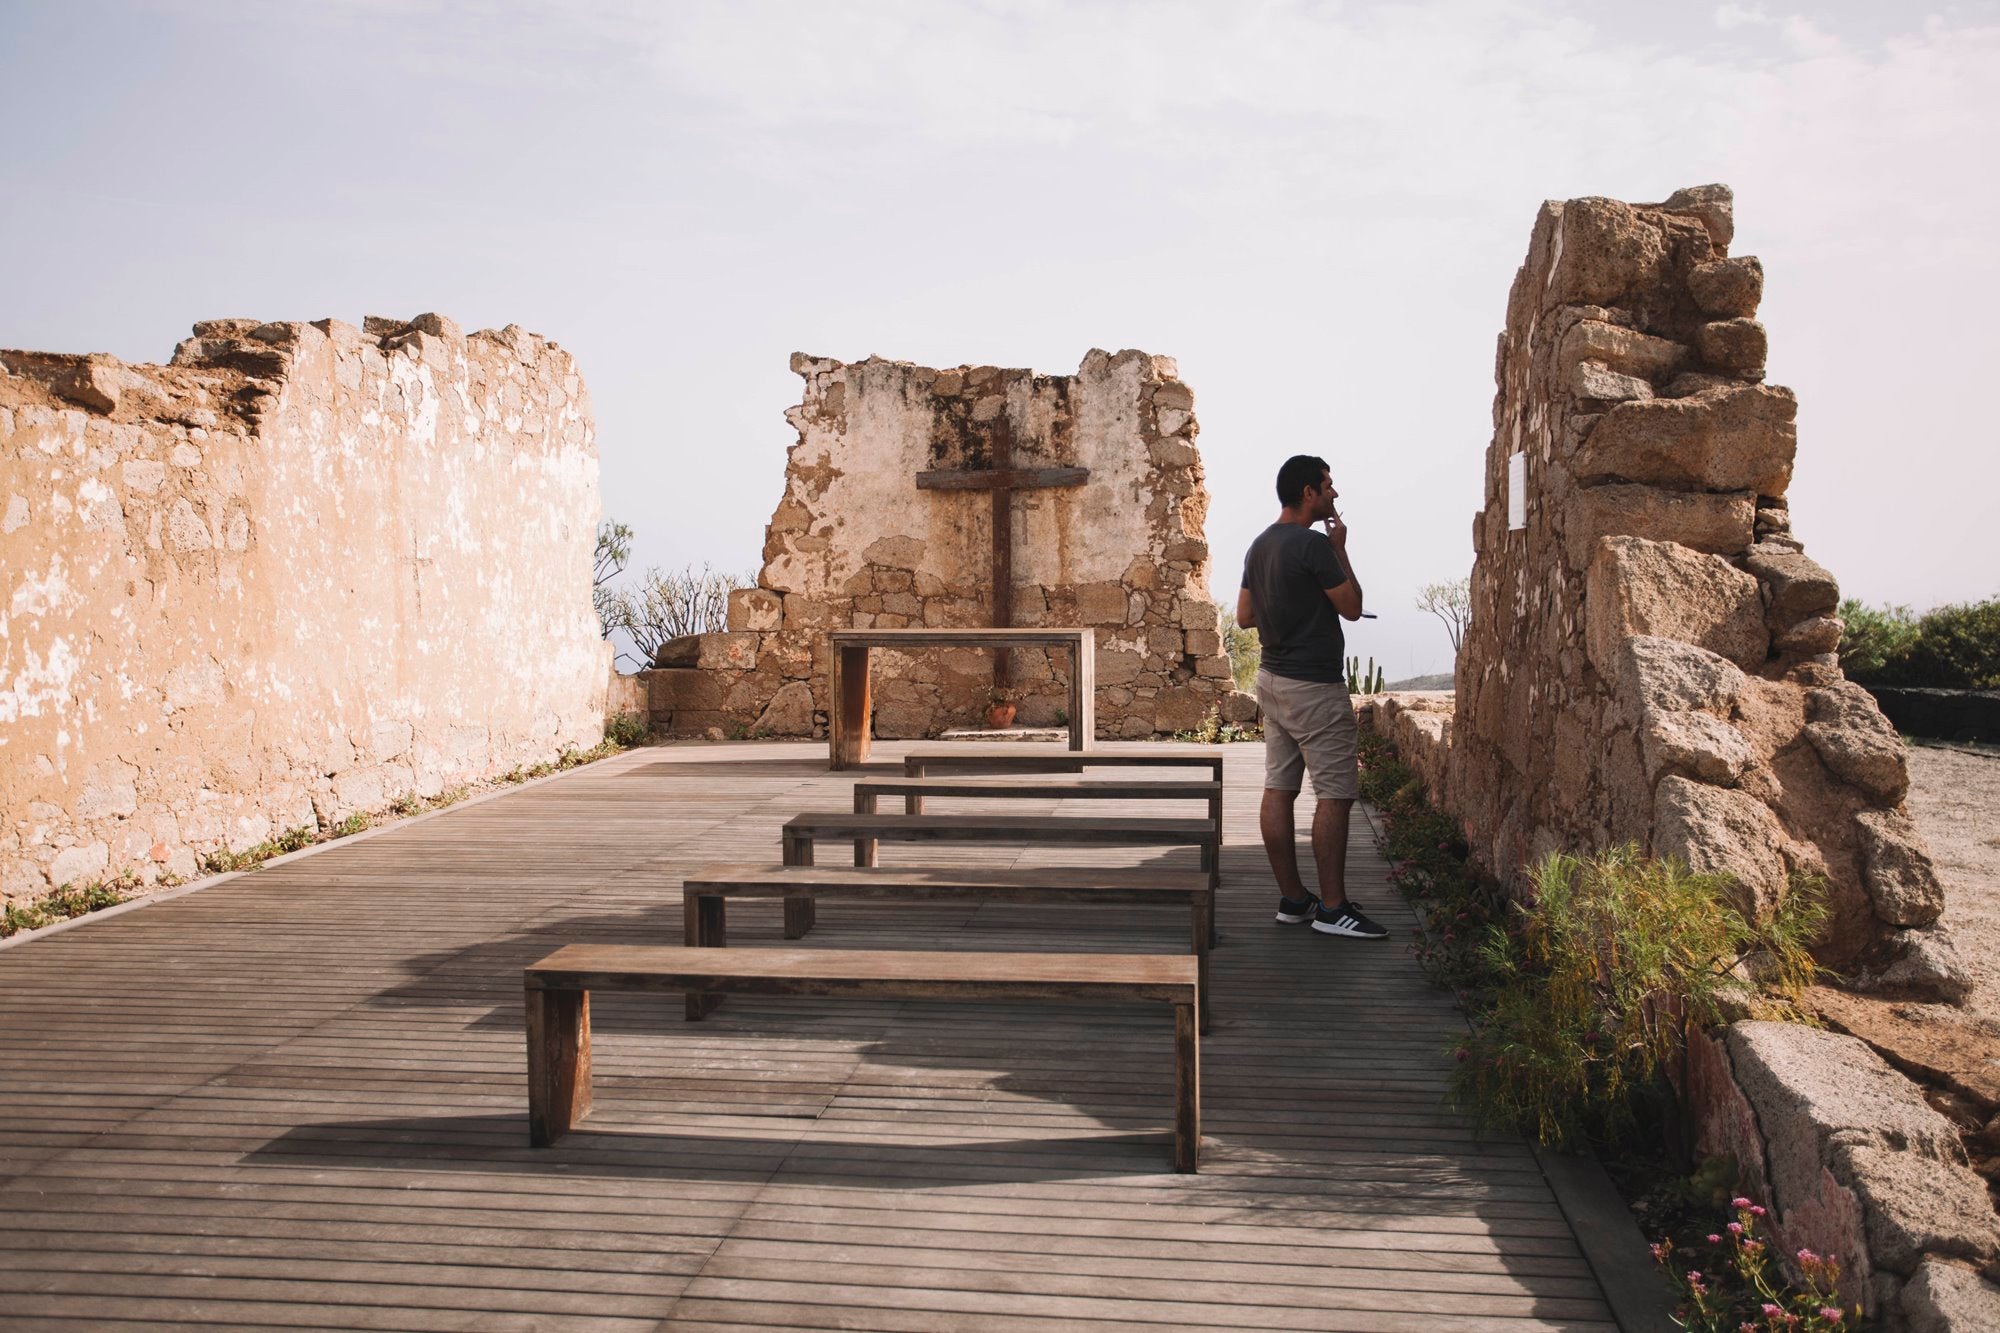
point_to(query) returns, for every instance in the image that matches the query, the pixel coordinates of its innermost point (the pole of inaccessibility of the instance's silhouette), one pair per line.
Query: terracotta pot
(999, 716)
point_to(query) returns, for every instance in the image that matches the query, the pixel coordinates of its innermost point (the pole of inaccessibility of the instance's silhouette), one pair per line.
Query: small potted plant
(1000, 708)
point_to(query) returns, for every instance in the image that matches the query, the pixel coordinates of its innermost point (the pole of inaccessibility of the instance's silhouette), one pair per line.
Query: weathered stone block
(1943, 1297)
(1811, 638)
(1897, 870)
(1733, 346)
(1714, 205)
(1605, 250)
(790, 712)
(1928, 963)
(755, 609)
(1797, 587)
(1854, 740)
(1662, 589)
(1699, 744)
(807, 613)
(1101, 604)
(1239, 707)
(1118, 666)
(1657, 674)
(1728, 288)
(1717, 523)
(1916, 1205)
(1736, 439)
(1715, 830)
(678, 689)
(727, 652)
(1596, 381)
(1620, 349)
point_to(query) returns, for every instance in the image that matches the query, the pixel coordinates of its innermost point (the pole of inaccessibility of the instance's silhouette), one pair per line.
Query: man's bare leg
(1274, 821)
(1330, 849)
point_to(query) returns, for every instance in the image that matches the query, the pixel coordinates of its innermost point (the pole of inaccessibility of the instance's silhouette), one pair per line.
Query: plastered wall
(297, 573)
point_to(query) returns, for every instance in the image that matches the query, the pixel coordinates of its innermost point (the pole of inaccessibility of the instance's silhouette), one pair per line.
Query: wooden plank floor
(298, 1100)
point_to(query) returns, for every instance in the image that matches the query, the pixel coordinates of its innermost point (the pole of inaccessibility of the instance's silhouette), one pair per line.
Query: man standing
(1297, 585)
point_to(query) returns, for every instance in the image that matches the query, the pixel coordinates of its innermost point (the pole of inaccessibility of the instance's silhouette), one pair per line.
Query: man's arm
(1246, 610)
(1345, 595)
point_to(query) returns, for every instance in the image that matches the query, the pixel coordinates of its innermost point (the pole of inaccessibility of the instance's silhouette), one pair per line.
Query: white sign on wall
(1517, 492)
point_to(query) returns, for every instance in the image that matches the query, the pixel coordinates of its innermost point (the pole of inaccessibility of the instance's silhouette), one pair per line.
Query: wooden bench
(868, 795)
(1012, 757)
(706, 891)
(558, 1003)
(802, 831)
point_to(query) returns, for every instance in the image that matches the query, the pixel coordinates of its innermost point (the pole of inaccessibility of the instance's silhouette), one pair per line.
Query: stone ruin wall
(299, 572)
(854, 543)
(1652, 657)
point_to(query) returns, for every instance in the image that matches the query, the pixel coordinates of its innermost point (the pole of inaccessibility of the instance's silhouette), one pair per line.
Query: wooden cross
(1002, 480)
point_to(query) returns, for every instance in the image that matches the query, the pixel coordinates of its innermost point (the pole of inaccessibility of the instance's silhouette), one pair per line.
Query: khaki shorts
(1308, 727)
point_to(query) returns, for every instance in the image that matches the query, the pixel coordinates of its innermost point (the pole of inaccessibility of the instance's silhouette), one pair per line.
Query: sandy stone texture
(299, 572)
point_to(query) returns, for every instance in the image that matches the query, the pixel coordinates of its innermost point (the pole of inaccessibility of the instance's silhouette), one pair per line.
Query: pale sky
(1316, 207)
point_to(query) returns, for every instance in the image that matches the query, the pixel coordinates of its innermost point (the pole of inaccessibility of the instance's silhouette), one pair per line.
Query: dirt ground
(1953, 1051)
(1955, 797)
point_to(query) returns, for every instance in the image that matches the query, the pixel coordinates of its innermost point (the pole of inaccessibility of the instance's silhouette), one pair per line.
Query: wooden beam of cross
(1002, 480)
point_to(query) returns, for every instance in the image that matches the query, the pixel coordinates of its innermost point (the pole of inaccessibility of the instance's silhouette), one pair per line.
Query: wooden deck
(298, 1099)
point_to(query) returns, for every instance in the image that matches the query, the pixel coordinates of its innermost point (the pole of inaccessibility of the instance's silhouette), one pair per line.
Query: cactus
(1363, 682)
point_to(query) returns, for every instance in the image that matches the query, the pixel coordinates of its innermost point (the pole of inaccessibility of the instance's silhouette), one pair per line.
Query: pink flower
(1771, 1311)
(1753, 1246)
(1756, 1210)
(1715, 1240)
(1831, 1313)
(1808, 1257)
(1739, 1203)
(1694, 1275)
(1735, 1228)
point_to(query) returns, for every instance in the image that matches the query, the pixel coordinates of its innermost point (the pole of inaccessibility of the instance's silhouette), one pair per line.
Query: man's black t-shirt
(1288, 570)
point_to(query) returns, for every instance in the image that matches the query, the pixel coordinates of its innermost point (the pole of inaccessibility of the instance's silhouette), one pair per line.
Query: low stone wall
(297, 573)
(1946, 715)
(1852, 1164)
(631, 695)
(855, 543)
(1418, 724)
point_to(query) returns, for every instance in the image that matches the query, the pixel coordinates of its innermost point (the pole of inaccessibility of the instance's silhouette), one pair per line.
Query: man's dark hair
(1299, 472)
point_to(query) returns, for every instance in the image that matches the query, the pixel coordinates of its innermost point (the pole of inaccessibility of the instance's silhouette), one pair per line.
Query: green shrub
(1245, 651)
(1595, 982)
(60, 904)
(1952, 648)
(1873, 638)
(1957, 648)
(625, 730)
(1212, 730)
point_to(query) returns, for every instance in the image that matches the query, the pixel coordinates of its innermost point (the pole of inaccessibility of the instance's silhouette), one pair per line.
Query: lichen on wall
(854, 542)
(299, 572)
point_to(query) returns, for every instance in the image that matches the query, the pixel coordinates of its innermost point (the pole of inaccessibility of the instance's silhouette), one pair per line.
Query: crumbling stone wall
(1651, 655)
(297, 573)
(855, 543)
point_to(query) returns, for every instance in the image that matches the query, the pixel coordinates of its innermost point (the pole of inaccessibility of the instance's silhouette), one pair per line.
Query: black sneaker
(1292, 911)
(1346, 921)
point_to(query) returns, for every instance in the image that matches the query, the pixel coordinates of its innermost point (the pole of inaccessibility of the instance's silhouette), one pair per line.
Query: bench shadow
(757, 768)
(617, 1147)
